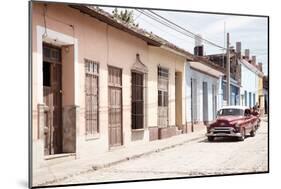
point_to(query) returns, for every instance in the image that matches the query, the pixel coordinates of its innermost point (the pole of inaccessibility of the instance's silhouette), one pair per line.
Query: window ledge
(92, 136)
(137, 130)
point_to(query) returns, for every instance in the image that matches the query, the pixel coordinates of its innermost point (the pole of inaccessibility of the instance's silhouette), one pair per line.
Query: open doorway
(52, 87)
(205, 103)
(178, 94)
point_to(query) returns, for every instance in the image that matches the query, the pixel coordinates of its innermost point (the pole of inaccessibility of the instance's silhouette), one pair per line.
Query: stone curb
(109, 164)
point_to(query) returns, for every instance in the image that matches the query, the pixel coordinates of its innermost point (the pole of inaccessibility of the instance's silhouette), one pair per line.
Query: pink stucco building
(98, 84)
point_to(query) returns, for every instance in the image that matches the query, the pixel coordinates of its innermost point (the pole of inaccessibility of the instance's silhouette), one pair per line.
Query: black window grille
(137, 101)
(91, 97)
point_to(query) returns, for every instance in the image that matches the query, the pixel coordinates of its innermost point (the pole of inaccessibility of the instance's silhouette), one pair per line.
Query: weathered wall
(163, 58)
(99, 42)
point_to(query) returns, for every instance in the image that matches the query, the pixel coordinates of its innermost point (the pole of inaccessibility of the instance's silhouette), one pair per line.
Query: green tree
(126, 16)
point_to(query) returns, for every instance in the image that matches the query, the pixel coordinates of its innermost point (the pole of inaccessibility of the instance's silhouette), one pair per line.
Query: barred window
(162, 98)
(91, 67)
(163, 80)
(137, 101)
(51, 53)
(163, 72)
(91, 97)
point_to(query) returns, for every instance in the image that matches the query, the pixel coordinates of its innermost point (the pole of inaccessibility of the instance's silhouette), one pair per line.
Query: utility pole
(227, 71)
(192, 121)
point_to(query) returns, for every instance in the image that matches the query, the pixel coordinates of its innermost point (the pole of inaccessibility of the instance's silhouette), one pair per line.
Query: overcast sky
(251, 31)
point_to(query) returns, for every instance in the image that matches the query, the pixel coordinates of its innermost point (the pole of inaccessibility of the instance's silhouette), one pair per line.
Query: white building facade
(203, 93)
(249, 84)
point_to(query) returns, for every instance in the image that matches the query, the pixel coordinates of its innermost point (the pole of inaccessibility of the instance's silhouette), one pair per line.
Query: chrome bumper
(223, 132)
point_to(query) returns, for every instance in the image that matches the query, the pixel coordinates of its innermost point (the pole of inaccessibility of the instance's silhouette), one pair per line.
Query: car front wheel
(242, 137)
(253, 132)
(210, 138)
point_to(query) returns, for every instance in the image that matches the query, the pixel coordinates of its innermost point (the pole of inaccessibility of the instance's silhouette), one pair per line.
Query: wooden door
(115, 106)
(205, 103)
(214, 99)
(163, 97)
(194, 101)
(57, 108)
(163, 109)
(178, 96)
(52, 92)
(48, 128)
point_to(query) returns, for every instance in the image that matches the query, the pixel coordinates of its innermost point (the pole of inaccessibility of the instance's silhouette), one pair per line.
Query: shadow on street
(220, 139)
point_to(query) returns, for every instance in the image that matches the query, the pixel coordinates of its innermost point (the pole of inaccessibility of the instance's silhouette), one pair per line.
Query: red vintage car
(233, 121)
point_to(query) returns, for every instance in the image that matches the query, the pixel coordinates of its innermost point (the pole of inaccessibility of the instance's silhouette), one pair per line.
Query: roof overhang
(184, 54)
(202, 67)
(251, 67)
(151, 39)
(114, 23)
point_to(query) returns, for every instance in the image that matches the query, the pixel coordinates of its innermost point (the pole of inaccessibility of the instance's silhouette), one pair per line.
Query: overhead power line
(164, 21)
(211, 43)
(188, 40)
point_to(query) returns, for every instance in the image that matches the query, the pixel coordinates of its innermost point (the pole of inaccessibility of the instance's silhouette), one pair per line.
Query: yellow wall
(260, 93)
(166, 59)
(260, 86)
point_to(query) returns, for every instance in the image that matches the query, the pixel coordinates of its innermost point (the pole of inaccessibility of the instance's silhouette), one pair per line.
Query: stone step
(178, 132)
(59, 158)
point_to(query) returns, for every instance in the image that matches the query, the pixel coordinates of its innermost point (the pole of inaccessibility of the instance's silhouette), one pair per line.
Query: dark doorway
(205, 102)
(193, 83)
(178, 95)
(52, 88)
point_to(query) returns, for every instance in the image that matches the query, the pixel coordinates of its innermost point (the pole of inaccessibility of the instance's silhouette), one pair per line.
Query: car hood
(229, 119)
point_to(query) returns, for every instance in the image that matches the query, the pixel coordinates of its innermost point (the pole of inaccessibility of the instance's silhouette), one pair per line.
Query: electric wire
(160, 19)
(208, 41)
(163, 23)
(176, 36)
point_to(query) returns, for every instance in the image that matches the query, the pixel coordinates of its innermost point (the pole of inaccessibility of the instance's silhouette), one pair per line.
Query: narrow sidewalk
(73, 167)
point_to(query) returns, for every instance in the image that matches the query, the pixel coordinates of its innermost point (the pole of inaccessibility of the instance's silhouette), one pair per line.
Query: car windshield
(230, 111)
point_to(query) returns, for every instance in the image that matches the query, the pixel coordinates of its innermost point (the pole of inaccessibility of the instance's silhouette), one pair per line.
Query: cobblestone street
(195, 158)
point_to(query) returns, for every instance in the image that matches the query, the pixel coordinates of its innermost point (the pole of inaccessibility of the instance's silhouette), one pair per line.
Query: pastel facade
(98, 85)
(234, 92)
(203, 93)
(266, 94)
(261, 99)
(88, 78)
(250, 83)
